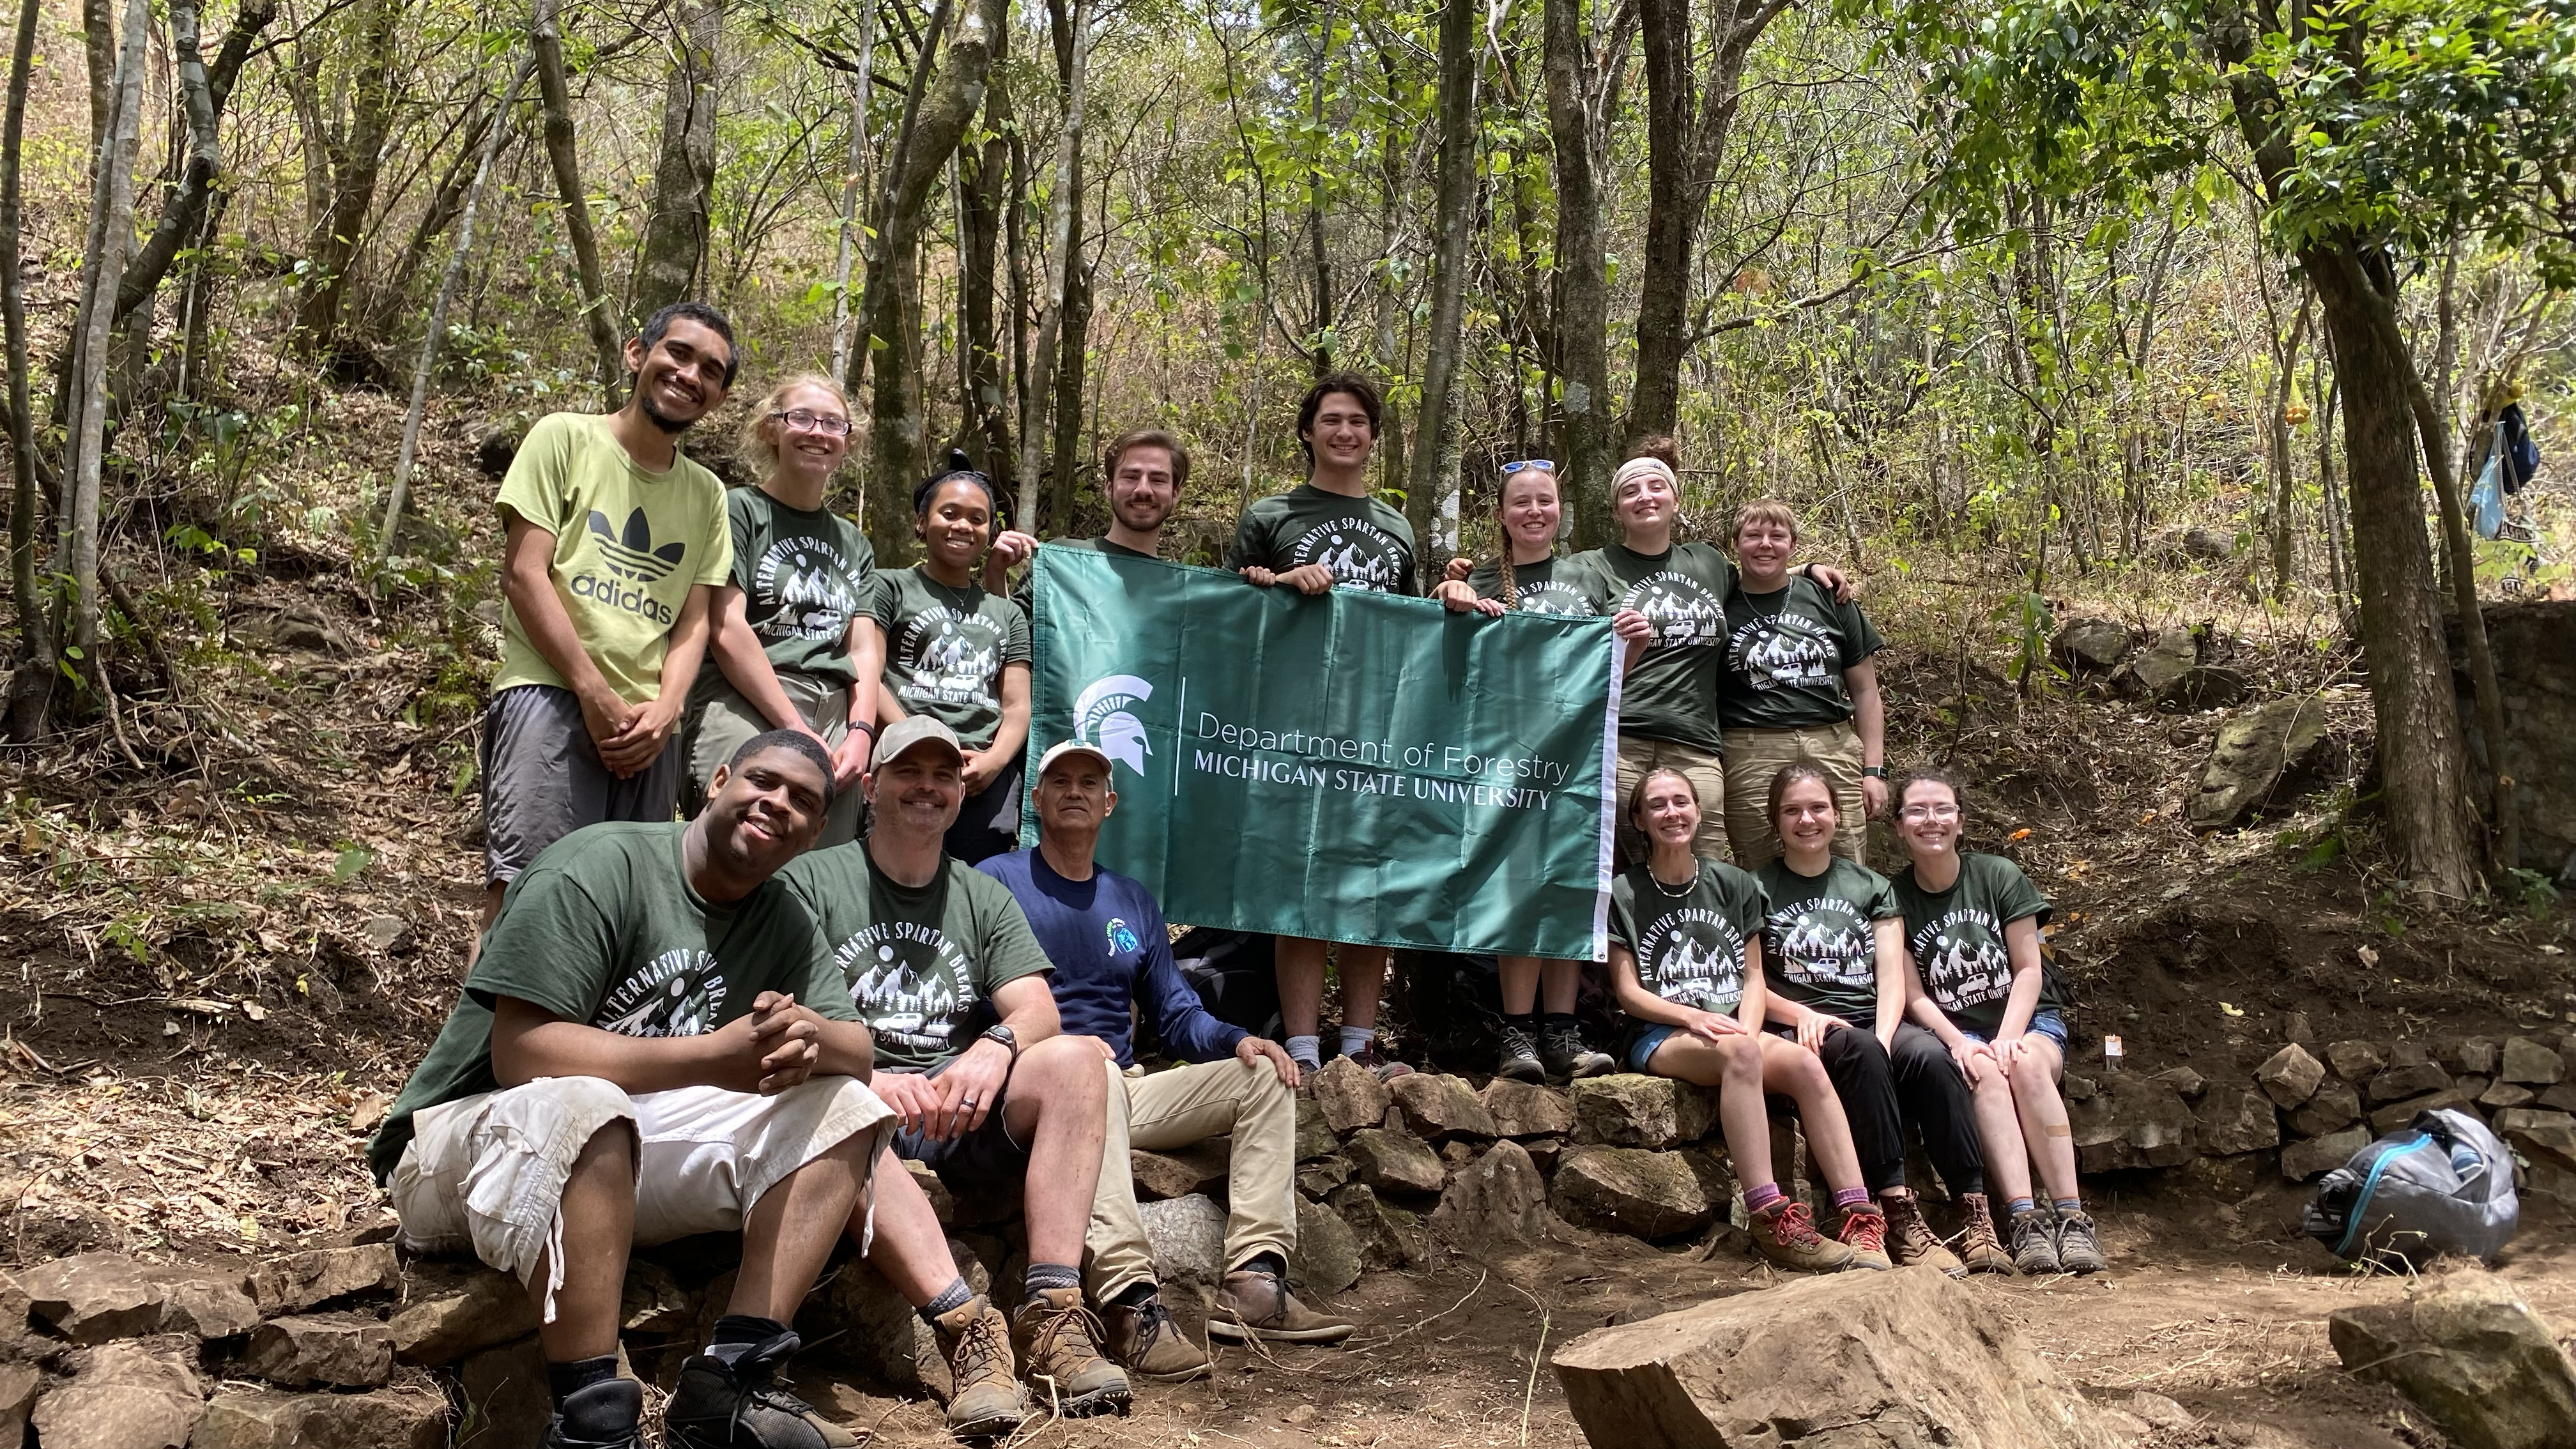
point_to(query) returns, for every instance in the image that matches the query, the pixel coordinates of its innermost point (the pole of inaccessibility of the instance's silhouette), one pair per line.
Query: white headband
(1644, 468)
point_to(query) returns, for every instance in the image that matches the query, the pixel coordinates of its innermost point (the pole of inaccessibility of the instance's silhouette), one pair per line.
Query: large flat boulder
(477, 1310)
(1630, 1109)
(1526, 1109)
(403, 1418)
(1852, 1361)
(1393, 1161)
(2471, 1354)
(342, 1350)
(94, 1297)
(1630, 1190)
(1187, 1235)
(2097, 645)
(1440, 1108)
(300, 1281)
(1178, 1173)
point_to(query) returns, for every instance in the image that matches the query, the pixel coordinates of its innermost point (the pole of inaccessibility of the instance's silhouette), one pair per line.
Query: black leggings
(1916, 1086)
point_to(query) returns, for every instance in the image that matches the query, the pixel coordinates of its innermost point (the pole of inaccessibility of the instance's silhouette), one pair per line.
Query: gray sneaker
(2079, 1245)
(2034, 1242)
(1561, 1050)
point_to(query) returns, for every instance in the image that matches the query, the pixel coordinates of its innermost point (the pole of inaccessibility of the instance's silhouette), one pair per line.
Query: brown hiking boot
(1254, 1304)
(1865, 1233)
(1911, 1240)
(1785, 1232)
(1979, 1250)
(1059, 1340)
(1151, 1346)
(987, 1399)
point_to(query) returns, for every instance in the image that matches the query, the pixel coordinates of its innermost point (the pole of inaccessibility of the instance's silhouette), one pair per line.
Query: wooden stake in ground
(431, 341)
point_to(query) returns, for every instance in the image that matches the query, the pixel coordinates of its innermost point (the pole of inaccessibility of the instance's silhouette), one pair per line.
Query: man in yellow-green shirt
(616, 545)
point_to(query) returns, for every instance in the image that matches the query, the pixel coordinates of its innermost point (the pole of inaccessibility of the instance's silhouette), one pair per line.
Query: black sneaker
(1519, 1060)
(738, 1405)
(606, 1415)
(2034, 1242)
(1562, 1052)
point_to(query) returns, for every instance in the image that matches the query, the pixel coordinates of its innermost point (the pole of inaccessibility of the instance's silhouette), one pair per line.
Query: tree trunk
(356, 156)
(204, 89)
(1319, 260)
(1687, 122)
(98, 39)
(892, 303)
(2423, 762)
(31, 679)
(1072, 32)
(605, 334)
(1434, 448)
(853, 186)
(983, 191)
(684, 171)
(1073, 342)
(437, 333)
(2276, 428)
(1577, 125)
(111, 237)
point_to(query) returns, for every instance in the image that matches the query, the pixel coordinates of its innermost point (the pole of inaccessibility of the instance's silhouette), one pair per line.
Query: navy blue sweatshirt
(1106, 938)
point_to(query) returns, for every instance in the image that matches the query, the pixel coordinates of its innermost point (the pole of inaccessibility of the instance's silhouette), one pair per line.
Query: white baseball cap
(1062, 748)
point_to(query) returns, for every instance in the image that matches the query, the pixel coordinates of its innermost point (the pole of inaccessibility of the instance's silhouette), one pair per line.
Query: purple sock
(1758, 1198)
(1847, 1198)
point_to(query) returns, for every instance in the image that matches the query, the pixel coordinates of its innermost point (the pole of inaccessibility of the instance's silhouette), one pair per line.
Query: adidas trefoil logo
(634, 556)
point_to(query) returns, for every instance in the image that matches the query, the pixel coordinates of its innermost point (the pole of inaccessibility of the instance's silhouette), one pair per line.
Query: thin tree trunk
(1073, 64)
(983, 183)
(675, 226)
(98, 39)
(356, 158)
(437, 334)
(205, 89)
(1460, 56)
(1073, 342)
(1015, 233)
(31, 680)
(605, 332)
(1318, 259)
(111, 236)
(1390, 451)
(2284, 479)
(1577, 123)
(891, 320)
(852, 187)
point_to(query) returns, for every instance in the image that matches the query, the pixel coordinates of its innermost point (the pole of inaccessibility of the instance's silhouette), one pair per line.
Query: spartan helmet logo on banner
(1100, 719)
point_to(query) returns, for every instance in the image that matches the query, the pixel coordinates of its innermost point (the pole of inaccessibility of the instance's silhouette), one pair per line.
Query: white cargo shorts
(486, 1174)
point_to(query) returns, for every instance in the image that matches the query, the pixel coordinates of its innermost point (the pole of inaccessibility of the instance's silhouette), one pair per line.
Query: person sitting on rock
(1686, 965)
(1975, 981)
(1833, 964)
(986, 1091)
(649, 1047)
(1104, 932)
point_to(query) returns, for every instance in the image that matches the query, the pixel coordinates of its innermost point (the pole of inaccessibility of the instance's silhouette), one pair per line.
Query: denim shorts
(1642, 1043)
(2047, 1021)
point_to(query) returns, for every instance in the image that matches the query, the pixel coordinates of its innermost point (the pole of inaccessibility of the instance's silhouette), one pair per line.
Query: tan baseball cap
(915, 730)
(1062, 748)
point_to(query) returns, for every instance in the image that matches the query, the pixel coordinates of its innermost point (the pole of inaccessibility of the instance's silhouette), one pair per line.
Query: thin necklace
(1672, 892)
(954, 595)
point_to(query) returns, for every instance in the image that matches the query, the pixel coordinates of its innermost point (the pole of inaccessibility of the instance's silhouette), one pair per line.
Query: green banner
(1352, 767)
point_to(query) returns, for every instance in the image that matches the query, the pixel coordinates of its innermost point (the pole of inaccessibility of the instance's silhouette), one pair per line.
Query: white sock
(1306, 1051)
(1355, 1039)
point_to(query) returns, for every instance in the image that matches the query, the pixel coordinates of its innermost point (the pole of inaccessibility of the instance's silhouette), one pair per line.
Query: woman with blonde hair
(794, 646)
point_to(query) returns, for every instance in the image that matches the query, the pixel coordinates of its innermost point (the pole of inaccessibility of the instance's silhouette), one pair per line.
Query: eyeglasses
(809, 422)
(1510, 468)
(1929, 812)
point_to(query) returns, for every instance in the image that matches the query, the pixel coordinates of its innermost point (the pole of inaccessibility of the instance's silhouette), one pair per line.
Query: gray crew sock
(951, 1298)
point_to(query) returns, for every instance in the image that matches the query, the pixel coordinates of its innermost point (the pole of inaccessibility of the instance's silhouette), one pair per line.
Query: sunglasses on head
(1510, 468)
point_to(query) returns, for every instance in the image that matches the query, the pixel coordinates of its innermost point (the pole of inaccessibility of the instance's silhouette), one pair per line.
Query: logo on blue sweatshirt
(1122, 937)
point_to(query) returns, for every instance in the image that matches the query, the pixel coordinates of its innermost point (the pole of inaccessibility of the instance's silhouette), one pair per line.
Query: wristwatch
(1004, 1035)
(1875, 772)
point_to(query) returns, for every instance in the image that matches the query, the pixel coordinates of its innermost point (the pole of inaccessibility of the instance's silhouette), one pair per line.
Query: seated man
(649, 1046)
(989, 1096)
(1104, 932)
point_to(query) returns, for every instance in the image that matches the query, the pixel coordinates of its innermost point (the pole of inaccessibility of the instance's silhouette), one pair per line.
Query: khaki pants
(1637, 757)
(721, 721)
(1754, 756)
(1175, 1108)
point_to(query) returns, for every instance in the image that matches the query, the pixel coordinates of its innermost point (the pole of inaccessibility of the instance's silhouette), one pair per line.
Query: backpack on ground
(1235, 975)
(2444, 1185)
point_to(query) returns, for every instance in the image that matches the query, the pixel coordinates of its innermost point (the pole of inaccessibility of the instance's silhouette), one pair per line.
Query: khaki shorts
(721, 721)
(486, 1174)
(1754, 756)
(1638, 756)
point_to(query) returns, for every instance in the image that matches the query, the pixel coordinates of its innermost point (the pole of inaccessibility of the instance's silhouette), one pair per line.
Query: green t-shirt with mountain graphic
(1670, 693)
(629, 545)
(1785, 656)
(604, 929)
(1572, 587)
(945, 650)
(920, 963)
(1957, 938)
(804, 576)
(1818, 947)
(1689, 947)
(1365, 543)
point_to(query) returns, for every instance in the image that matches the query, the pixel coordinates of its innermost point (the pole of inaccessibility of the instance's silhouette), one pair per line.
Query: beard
(669, 425)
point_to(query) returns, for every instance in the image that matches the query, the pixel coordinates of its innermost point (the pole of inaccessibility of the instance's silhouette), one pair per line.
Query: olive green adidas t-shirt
(945, 649)
(1957, 938)
(605, 929)
(1567, 586)
(804, 577)
(1365, 543)
(1689, 947)
(919, 963)
(1817, 944)
(1785, 656)
(628, 547)
(1670, 693)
